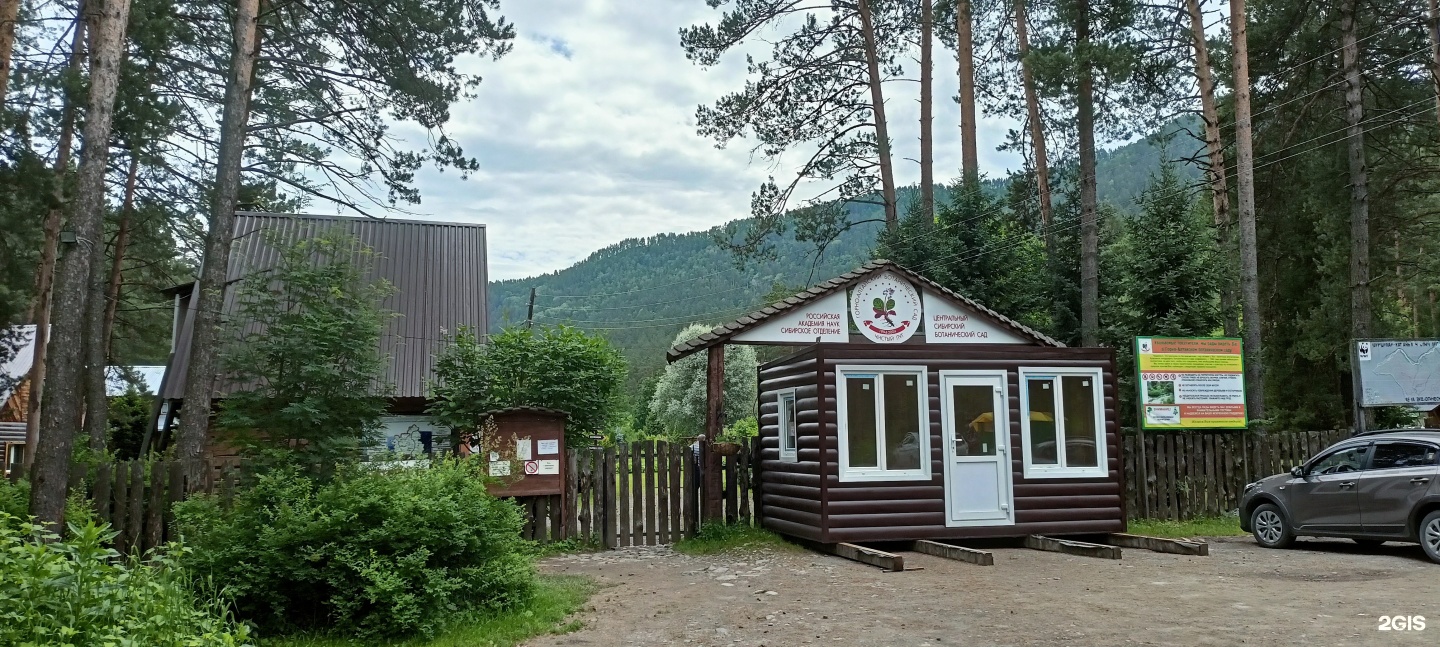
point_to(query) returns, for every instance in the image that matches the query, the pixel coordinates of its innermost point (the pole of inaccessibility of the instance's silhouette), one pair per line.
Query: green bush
(371, 553)
(79, 592)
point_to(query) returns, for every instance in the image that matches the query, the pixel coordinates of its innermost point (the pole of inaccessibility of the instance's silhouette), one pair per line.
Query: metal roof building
(438, 270)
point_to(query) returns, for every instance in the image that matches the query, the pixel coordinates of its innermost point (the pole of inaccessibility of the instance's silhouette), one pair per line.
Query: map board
(1399, 372)
(1190, 383)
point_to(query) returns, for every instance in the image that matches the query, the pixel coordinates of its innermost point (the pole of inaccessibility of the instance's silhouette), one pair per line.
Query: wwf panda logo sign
(886, 308)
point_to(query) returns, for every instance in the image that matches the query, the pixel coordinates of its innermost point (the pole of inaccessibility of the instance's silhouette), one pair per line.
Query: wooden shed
(912, 412)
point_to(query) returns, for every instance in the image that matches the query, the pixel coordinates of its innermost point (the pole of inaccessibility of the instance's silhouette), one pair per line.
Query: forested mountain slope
(640, 292)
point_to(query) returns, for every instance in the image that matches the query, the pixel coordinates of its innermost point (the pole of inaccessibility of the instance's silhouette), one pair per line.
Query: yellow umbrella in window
(987, 419)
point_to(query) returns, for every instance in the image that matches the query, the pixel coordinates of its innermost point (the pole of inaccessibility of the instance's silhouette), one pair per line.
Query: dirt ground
(1319, 593)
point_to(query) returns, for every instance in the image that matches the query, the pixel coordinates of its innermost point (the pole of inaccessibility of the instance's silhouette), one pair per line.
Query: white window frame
(1061, 469)
(786, 399)
(855, 474)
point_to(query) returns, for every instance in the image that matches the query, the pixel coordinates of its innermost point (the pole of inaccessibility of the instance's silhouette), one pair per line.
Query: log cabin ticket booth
(914, 413)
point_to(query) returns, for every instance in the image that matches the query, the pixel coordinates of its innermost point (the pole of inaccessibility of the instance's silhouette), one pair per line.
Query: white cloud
(585, 134)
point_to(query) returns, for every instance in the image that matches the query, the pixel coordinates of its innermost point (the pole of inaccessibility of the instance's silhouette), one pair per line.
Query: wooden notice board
(525, 448)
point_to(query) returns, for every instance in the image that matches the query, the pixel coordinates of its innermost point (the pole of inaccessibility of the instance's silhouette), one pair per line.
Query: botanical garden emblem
(886, 308)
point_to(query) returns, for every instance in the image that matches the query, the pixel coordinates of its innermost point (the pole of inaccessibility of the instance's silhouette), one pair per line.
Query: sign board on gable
(1190, 383)
(823, 320)
(949, 323)
(1398, 372)
(886, 308)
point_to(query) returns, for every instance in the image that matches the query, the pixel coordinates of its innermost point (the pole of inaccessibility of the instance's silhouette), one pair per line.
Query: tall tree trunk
(1245, 193)
(1219, 186)
(1037, 127)
(882, 132)
(1433, 27)
(965, 55)
(45, 273)
(927, 133)
(9, 13)
(60, 414)
(99, 317)
(1359, 182)
(1089, 223)
(209, 291)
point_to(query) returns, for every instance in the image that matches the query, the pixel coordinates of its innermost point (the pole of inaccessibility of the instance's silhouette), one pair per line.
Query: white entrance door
(977, 449)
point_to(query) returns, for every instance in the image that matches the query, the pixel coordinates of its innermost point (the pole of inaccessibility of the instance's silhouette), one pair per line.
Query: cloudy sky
(586, 135)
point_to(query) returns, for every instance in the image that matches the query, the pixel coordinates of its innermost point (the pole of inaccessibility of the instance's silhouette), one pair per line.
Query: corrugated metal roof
(722, 333)
(438, 270)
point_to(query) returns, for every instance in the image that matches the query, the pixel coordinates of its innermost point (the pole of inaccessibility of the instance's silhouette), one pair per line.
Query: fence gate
(643, 493)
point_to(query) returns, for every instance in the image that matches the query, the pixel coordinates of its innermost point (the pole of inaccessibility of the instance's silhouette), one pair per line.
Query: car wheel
(1369, 543)
(1272, 531)
(1430, 536)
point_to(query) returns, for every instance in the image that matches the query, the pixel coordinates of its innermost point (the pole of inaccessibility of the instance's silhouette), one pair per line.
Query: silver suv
(1376, 487)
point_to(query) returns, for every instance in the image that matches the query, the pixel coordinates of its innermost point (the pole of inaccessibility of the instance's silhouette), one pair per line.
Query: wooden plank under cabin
(623, 497)
(1159, 545)
(637, 493)
(651, 536)
(137, 506)
(1071, 547)
(958, 553)
(572, 494)
(871, 556)
(101, 499)
(612, 507)
(677, 489)
(121, 501)
(662, 492)
(155, 507)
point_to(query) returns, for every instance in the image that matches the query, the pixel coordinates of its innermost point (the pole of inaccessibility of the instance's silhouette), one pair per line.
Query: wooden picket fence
(136, 497)
(643, 493)
(1184, 475)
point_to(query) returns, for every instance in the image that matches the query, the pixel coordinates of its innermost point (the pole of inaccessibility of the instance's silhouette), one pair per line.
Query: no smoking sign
(532, 467)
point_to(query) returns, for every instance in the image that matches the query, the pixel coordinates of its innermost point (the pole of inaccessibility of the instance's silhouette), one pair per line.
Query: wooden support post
(961, 553)
(712, 491)
(1159, 545)
(1071, 547)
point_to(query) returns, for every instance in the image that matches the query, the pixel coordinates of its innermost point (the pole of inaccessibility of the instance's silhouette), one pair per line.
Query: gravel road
(1320, 593)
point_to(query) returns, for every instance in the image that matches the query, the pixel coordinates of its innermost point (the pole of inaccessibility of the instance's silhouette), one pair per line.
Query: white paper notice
(522, 449)
(548, 447)
(549, 467)
(499, 468)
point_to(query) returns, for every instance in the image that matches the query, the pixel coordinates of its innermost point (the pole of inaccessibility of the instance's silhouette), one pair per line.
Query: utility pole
(530, 311)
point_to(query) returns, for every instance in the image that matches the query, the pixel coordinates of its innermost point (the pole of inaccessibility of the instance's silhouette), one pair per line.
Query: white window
(884, 420)
(1063, 424)
(789, 434)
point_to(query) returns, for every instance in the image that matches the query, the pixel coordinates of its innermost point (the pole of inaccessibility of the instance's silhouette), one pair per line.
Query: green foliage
(678, 405)
(15, 498)
(306, 347)
(129, 416)
(556, 597)
(558, 367)
(371, 553)
(723, 538)
(741, 432)
(77, 591)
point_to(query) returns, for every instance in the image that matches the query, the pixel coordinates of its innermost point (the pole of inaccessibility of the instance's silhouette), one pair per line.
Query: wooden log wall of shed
(806, 498)
(791, 492)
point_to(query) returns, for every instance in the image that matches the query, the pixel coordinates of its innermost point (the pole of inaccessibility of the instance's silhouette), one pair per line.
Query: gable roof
(724, 333)
(438, 270)
(14, 370)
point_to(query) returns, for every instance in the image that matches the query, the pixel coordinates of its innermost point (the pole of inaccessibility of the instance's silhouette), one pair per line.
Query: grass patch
(565, 546)
(718, 538)
(556, 597)
(1205, 527)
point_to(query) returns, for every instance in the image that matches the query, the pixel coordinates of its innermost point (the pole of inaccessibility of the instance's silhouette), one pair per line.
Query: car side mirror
(1298, 471)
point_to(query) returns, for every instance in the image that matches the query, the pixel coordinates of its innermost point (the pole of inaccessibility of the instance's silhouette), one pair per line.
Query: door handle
(1419, 480)
(1347, 484)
